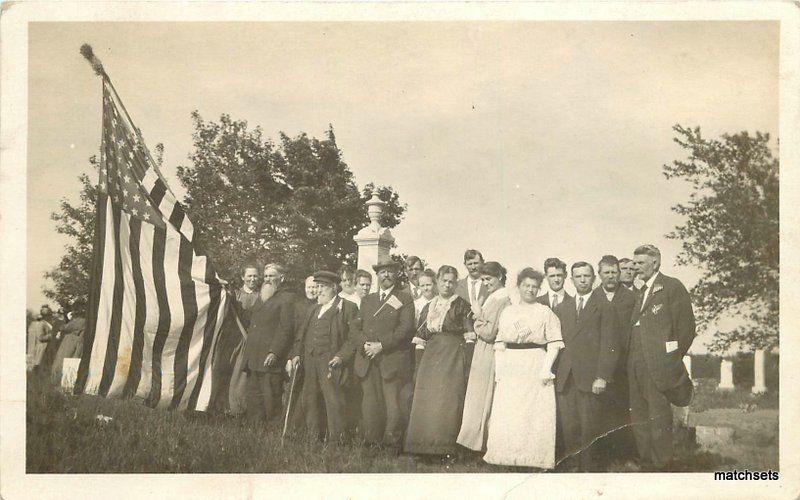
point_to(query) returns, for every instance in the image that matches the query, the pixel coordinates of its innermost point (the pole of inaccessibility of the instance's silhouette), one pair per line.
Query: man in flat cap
(381, 338)
(327, 356)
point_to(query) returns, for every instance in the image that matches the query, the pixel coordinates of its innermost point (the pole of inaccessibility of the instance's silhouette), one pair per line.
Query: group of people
(52, 337)
(445, 365)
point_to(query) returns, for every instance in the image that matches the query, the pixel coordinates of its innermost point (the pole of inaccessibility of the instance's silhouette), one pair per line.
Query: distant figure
(363, 284)
(56, 322)
(438, 401)
(39, 334)
(381, 337)
(322, 345)
(663, 331)
(268, 341)
(627, 273)
(414, 269)
(72, 340)
(348, 285)
(480, 385)
(471, 289)
(522, 427)
(556, 272)
(620, 444)
(589, 327)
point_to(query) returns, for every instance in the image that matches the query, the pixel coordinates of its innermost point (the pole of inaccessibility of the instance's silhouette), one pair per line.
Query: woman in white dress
(522, 428)
(480, 386)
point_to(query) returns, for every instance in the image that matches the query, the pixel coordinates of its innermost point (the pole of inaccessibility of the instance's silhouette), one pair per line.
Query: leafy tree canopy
(731, 233)
(293, 202)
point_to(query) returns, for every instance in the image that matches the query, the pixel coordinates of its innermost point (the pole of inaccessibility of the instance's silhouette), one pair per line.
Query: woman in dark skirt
(441, 381)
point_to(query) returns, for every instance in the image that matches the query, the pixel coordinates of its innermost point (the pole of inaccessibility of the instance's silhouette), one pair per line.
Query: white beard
(267, 291)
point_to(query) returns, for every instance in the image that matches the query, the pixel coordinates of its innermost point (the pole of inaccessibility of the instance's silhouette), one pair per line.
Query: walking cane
(289, 403)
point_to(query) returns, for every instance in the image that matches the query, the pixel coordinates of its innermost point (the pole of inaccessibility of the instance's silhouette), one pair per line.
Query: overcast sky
(524, 140)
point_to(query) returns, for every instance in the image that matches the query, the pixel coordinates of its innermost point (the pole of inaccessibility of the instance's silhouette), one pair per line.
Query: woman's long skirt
(438, 401)
(478, 402)
(522, 428)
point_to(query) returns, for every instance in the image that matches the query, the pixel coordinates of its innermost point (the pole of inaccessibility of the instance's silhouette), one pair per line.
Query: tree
(293, 202)
(71, 277)
(731, 233)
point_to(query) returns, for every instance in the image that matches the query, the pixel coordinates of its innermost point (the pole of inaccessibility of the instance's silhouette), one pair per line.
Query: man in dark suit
(381, 339)
(327, 357)
(586, 365)
(627, 273)
(471, 289)
(555, 271)
(269, 337)
(413, 268)
(620, 443)
(662, 333)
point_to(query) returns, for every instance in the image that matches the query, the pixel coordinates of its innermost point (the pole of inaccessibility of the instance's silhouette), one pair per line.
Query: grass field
(65, 435)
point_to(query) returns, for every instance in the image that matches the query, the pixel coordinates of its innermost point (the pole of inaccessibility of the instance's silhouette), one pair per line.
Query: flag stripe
(159, 244)
(189, 298)
(98, 241)
(146, 245)
(209, 335)
(101, 334)
(175, 303)
(116, 311)
(202, 291)
(128, 309)
(135, 373)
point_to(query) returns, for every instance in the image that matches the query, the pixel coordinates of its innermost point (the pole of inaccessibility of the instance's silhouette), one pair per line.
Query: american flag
(156, 304)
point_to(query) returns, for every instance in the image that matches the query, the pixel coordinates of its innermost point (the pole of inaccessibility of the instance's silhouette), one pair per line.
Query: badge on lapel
(656, 308)
(394, 302)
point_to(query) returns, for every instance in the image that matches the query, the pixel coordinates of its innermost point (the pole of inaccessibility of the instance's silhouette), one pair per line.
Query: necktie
(554, 303)
(383, 295)
(472, 295)
(580, 304)
(644, 296)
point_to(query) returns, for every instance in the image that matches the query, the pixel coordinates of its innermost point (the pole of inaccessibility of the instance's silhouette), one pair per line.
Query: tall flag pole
(156, 305)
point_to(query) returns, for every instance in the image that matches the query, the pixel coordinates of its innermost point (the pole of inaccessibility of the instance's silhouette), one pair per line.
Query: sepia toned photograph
(521, 248)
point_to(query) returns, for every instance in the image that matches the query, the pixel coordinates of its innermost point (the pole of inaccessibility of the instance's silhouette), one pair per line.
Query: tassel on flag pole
(88, 53)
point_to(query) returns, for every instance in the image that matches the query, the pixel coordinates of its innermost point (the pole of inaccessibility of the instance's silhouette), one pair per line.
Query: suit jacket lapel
(657, 287)
(589, 307)
(568, 312)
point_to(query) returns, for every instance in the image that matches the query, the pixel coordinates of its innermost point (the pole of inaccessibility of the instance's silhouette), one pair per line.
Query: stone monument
(374, 241)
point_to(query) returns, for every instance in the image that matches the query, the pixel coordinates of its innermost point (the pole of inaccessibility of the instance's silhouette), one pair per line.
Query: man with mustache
(381, 338)
(620, 443)
(269, 338)
(663, 329)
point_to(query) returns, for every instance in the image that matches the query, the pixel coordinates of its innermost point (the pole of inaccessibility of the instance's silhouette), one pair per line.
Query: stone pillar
(725, 375)
(759, 369)
(373, 241)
